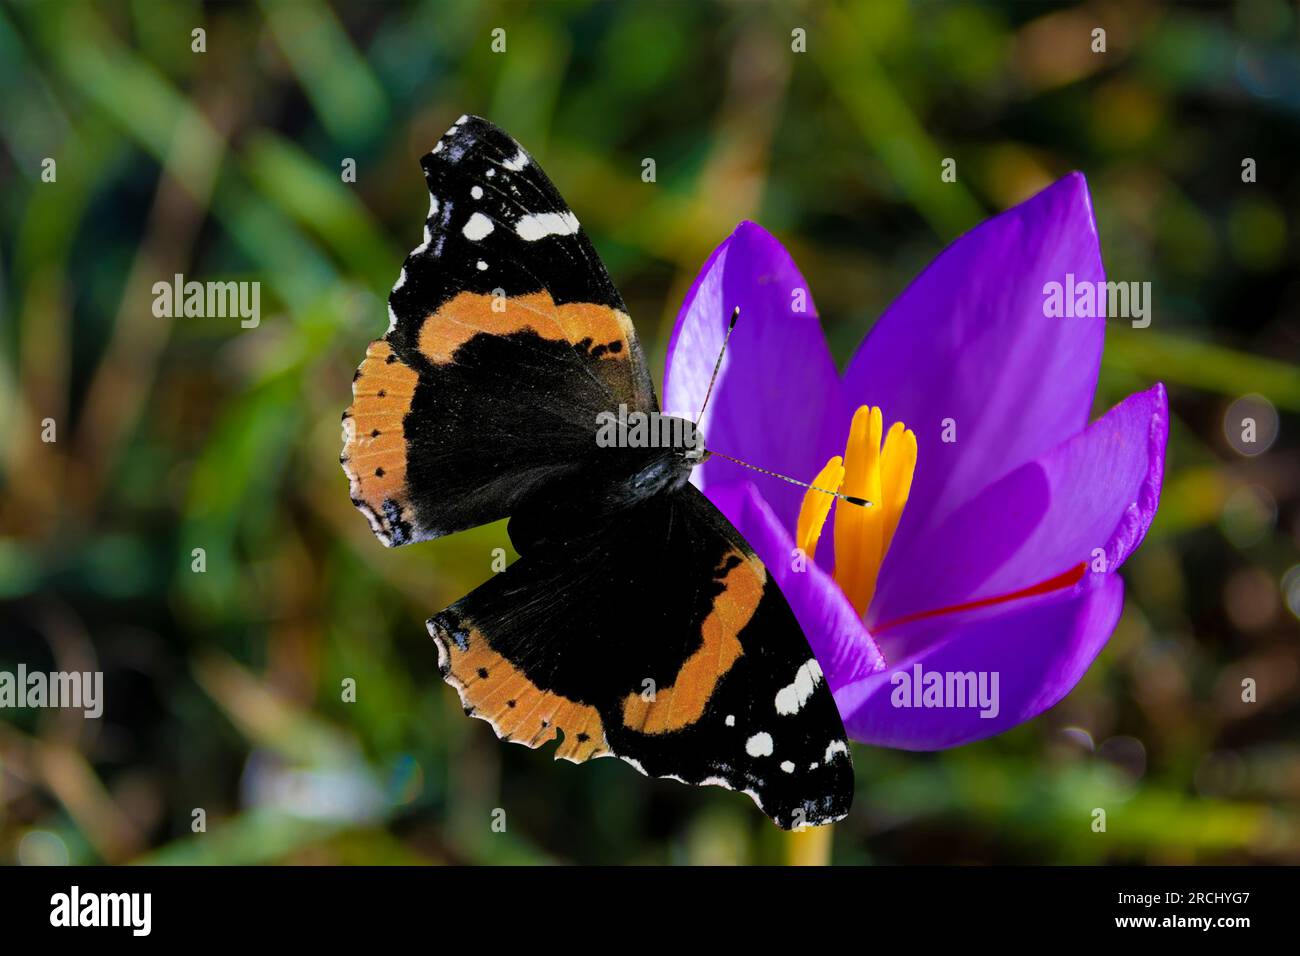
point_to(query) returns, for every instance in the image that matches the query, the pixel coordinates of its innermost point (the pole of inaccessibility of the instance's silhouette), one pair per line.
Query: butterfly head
(662, 450)
(697, 454)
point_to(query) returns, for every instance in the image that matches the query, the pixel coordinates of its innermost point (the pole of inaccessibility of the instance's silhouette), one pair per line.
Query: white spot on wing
(476, 192)
(539, 225)
(428, 238)
(444, 653)
(835, 747)
(635, 763)
(482, 266)
(518, 163)
(791, 698)
(477, 227)
(759, 745)
(787, 766)
(731, 720)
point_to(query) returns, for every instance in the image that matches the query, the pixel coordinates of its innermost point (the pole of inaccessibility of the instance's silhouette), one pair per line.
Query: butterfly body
(637, 622)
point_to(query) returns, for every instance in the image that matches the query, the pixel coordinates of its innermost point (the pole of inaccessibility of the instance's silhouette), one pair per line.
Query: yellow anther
(817, 505)
(883, 476)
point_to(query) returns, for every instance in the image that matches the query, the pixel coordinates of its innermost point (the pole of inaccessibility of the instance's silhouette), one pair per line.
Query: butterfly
(636, 621)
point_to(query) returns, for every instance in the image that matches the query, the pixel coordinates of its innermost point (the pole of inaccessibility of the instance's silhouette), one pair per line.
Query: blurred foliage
(223, 688)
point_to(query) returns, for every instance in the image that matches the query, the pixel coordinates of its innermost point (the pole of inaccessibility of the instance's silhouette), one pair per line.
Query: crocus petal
(1096, 490)
(968, 341)
(842, 645)
(776, 402)
(1038, 648)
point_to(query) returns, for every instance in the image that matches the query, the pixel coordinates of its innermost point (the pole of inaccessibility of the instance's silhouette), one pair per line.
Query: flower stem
(809, 847)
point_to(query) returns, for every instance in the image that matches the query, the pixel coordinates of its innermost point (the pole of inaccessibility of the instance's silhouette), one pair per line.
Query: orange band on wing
(682, 704)
(469, 314)
(494, 690)
(374, 445)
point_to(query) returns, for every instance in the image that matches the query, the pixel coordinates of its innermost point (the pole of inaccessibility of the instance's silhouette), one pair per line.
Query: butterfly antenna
(731, 327)
(860, 502)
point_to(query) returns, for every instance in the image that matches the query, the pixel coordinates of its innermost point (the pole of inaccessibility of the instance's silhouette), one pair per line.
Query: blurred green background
(223, 687)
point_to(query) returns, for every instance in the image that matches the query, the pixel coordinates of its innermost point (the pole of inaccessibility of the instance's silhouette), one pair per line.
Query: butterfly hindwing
(506, 339)
(659, 638)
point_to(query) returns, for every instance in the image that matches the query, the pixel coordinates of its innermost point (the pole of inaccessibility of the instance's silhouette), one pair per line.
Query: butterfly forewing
(506, 339)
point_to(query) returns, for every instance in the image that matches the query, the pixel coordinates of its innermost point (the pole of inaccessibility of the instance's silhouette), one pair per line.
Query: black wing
(506, 339)
(659, 638)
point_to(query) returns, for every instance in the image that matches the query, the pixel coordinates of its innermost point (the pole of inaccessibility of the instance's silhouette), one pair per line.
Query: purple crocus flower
(1000, 514)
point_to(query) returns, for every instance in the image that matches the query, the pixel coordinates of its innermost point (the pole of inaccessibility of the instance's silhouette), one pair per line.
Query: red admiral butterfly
(637, 622)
